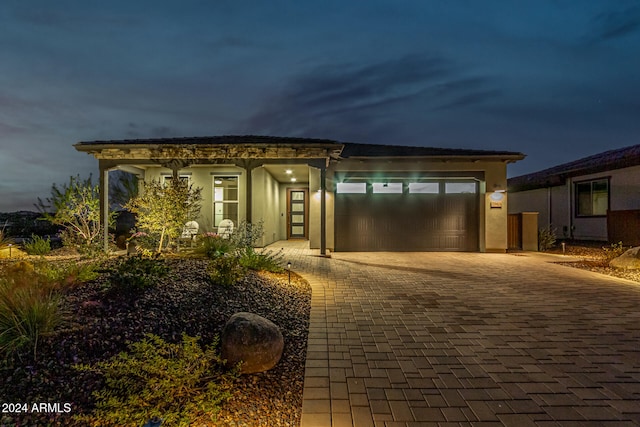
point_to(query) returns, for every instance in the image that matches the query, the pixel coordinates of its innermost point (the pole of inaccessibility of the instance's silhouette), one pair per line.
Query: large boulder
(253, 340)
(629, 260)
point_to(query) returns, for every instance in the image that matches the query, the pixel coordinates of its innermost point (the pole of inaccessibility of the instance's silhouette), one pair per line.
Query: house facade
(338, 196)
(583, 199)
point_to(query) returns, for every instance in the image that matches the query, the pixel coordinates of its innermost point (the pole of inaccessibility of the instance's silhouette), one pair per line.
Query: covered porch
(282, 187)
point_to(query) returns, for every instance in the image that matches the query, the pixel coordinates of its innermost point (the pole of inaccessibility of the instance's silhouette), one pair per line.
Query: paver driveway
(418, 339)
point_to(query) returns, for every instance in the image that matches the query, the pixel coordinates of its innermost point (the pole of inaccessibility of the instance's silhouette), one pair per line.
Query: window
(424, 188)
(459, 187)
(351, 187)
(592, 198)
(225, 199)
(387, 187)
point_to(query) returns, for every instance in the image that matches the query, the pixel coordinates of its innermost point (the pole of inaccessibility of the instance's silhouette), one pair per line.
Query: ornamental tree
(76, 207)
(163, 209)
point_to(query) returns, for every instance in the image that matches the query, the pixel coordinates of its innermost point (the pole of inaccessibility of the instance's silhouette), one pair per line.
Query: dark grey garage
(407, 214)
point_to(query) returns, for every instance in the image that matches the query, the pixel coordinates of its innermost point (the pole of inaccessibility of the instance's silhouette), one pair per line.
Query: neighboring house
(580, 198)
(339, 196)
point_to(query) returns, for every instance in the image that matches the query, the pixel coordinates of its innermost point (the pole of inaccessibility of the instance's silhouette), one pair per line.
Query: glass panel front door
(297, 214)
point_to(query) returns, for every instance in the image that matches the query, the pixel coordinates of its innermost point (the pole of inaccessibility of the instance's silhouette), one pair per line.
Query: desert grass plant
(136, 274)
(212, 245)
(264, 259)
(37, 245)
(5, 241)
(29, 310)
(181, 384)
(226, 270)
(546, 238)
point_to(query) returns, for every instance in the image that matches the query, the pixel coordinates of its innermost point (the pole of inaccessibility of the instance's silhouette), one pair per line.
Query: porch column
(323, 211)
(248, 166)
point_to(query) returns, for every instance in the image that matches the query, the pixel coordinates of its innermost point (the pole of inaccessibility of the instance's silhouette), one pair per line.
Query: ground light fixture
(289, 269)
(10, 245)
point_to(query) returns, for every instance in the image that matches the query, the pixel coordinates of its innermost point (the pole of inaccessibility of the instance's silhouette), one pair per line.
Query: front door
(297, 214)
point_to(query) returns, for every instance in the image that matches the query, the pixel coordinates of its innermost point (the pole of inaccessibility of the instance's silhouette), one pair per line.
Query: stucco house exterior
(338, 196)
(586, 198)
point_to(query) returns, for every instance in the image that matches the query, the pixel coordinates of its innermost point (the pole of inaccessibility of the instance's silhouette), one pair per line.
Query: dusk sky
(554, 79)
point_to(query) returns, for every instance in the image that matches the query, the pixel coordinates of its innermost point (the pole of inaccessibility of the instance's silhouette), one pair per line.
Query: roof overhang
(145, 151)
(504, 158)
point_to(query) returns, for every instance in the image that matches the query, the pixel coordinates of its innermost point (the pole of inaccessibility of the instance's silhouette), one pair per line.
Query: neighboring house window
(225, 199)
(592, 198)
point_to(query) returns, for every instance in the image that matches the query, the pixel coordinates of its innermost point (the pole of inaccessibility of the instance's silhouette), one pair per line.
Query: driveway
(418, 339)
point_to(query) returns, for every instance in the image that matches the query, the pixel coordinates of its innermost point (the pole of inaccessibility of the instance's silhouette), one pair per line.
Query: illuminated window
(460, 187)
(592, 198)
(351, 187)
(225, 199)
(424, 187)
(387, 187)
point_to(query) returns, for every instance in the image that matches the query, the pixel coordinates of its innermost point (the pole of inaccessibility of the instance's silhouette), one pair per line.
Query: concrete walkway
(421, 339)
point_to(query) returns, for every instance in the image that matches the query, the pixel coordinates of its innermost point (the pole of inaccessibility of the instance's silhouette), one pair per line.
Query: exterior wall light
(497, 196)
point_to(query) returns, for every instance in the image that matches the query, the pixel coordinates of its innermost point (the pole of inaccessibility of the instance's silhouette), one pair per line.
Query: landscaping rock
(630, 260)
(253, 340)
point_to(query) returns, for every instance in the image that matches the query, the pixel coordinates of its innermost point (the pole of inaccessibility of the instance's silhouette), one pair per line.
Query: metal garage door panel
(406, 222)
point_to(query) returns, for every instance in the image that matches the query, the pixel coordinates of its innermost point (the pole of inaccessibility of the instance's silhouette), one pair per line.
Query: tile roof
(602, 162)
(350, 149)
(221, 139)
(376, 150)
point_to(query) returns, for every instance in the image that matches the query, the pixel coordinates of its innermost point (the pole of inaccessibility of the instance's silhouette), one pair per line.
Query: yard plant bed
(593, 257)
(99, 325)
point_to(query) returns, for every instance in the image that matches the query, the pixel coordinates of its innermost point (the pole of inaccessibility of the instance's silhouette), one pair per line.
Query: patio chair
(190, 231)
(225, 228)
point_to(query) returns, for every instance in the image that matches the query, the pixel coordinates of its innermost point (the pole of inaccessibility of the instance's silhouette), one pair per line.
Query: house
(338, 196)
(594, 198)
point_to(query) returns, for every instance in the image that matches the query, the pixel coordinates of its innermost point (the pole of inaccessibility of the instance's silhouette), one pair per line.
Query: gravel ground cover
(185, 301)
(594, 258)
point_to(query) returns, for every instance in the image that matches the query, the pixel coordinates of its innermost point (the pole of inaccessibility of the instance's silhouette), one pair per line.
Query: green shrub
(246, 235)
(37, 245)
(546, 238)
(28, 311)
(182, 384)
(226, 270)
(67, 273)
(613, 251)
(267, 260)
(213, 246)
(136, 274)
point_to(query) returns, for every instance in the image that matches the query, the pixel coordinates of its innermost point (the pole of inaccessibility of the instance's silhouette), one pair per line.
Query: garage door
(407, 216)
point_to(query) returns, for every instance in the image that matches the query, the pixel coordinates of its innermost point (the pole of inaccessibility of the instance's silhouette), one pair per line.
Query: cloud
(346, 96)
(615, 24)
